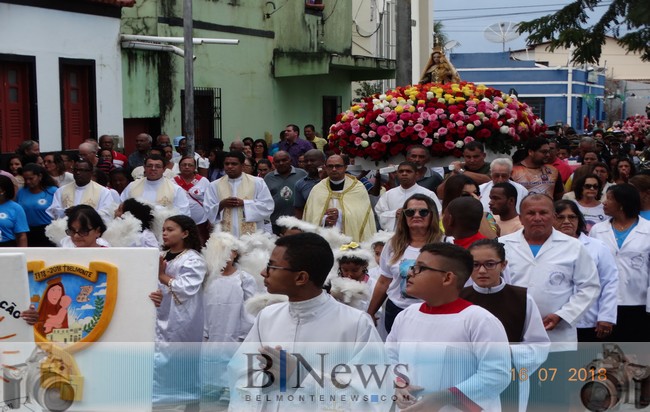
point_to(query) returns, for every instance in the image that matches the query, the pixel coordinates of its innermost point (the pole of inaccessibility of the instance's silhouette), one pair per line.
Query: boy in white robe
(270, 369)
(457, 353)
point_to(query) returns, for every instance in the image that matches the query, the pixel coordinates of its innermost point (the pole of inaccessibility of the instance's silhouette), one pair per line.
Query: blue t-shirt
(535, 249)
(645, 214)
(35, 205)
(12, 220)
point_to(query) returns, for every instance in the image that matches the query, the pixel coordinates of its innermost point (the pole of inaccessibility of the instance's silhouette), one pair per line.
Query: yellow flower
(389, 97)
(451, 100)
(411, 109)
(344, 118)
(399, 109)
(421, 101)
(355, 107)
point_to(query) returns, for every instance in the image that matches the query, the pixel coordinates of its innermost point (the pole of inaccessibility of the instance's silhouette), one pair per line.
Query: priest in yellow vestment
(341, 201)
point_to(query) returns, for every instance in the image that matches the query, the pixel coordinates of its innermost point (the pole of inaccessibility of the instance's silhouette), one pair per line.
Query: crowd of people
(532, 253)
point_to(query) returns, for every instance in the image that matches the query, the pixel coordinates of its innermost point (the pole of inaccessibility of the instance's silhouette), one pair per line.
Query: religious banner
(90, 333)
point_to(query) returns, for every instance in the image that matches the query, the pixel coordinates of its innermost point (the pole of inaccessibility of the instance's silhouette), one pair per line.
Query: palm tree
(440, 38)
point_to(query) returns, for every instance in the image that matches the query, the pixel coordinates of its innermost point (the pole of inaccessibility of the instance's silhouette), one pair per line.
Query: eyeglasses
(570, 218)
(592, 187)
(417, 269)
(421, 212)
(488, 265)
(269, 267)
(335, 166)
(81, 232)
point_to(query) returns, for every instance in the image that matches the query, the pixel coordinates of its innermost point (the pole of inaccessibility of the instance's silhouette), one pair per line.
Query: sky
(466, 20)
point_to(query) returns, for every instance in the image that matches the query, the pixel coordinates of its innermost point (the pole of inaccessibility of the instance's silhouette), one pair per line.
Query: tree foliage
(97, 314)
(366, 89)
(626, 20)
(440, 37)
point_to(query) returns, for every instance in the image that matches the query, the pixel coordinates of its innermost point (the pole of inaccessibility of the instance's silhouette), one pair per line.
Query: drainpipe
(569, 105)
(179, 40)
(154, 47)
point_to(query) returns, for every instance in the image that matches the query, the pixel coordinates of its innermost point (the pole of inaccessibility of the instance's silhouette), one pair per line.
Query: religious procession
(440, 247)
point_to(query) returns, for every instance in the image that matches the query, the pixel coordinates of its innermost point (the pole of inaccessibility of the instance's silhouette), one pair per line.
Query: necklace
(621, 228)
(169, 256)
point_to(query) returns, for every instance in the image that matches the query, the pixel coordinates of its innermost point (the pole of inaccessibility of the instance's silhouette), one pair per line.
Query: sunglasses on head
(412, 212)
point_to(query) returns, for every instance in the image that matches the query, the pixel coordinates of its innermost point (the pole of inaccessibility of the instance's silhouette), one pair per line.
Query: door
(15, 121)
(76, 105)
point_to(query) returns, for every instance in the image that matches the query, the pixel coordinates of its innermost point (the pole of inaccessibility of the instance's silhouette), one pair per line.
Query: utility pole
(404, 52)
(189, 76)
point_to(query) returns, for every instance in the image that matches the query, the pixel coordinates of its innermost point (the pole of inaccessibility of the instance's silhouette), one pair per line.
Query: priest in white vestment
(314, 329)
(238, 201)
(391, 202)
(83, 191)
(156, 190)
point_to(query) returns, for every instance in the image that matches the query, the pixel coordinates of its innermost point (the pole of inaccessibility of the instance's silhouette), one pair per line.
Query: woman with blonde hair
(417, 225)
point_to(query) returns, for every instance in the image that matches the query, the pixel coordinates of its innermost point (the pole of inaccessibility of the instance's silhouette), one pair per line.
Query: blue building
(566, 94)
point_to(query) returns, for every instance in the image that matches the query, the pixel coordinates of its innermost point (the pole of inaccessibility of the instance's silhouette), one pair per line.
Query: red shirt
(467, 241)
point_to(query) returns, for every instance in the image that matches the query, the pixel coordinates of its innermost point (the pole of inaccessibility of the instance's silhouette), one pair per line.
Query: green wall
(253, 100)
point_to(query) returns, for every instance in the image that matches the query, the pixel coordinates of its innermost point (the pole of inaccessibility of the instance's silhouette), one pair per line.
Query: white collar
(308, 309)
(487, 291)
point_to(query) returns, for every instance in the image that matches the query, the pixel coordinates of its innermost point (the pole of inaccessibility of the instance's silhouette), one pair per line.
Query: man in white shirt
(155, 189)
(390, 203)
(500, 170)
(83, 191)
(238, 201)
(312, 328)
(557, 270)
(562, 279)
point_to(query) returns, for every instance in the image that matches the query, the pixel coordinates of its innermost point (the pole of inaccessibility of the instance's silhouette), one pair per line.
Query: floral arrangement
(441, 117)
(637, 126)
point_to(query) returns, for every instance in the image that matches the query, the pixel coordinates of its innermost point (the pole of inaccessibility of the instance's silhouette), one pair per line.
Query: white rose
(504, 129)
(460, 144)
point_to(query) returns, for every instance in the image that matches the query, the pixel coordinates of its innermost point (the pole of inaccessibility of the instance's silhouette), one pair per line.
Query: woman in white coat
(597, 323)
(628, 237)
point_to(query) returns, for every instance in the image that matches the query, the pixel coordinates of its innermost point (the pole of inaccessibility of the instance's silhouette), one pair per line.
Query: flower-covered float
(441, 117)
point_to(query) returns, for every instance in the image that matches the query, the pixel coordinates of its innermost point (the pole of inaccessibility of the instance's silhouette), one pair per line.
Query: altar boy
(312, 330)
(457, 352)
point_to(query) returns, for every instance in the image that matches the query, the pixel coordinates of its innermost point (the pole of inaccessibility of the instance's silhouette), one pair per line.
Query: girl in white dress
(179, 323)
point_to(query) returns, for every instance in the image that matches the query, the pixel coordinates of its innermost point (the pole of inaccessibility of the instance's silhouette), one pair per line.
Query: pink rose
(398, 128)
(471, 110)
(468, 139)
(422, 134)
(358, 141)
(427, 142)
(385, 139)
(418, 127)
(382, 130)
(442, 131)
(449, 145)
(372, 133)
